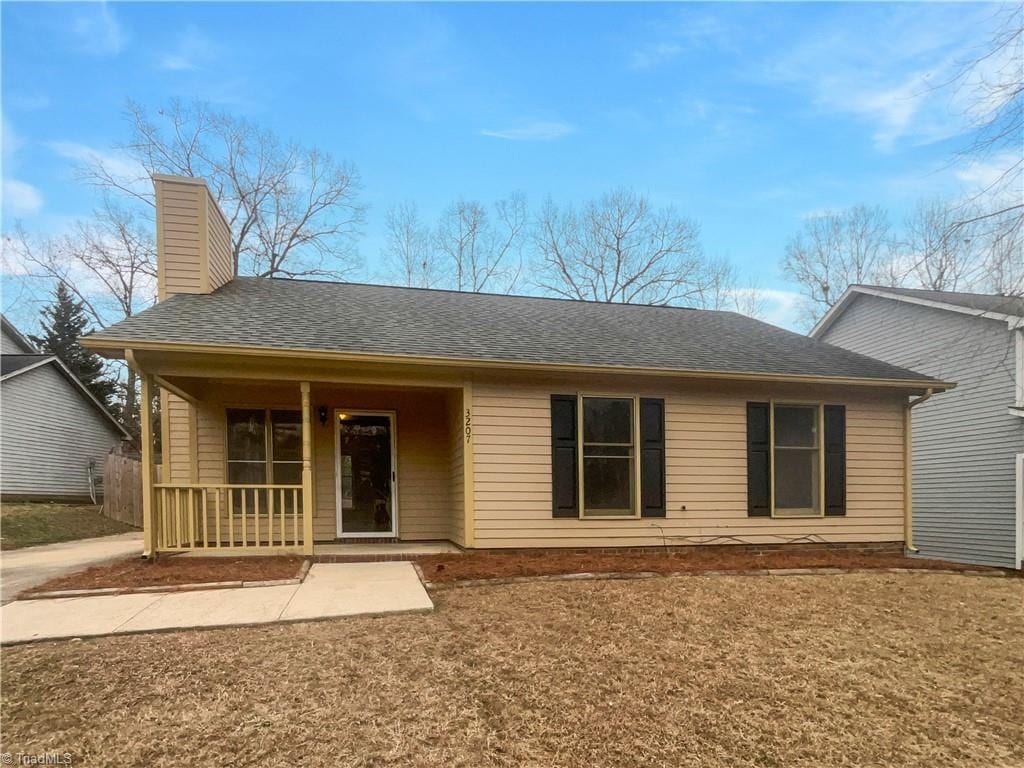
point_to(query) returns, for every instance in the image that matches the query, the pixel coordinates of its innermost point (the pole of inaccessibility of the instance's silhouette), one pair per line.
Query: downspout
(908, 480)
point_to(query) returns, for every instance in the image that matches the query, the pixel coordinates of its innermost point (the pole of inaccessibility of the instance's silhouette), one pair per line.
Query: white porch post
(307, 473)
(146, 438)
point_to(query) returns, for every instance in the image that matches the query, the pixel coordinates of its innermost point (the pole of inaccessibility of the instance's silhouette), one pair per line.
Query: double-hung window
(264, 446)
(608, 456)
(796, 465)
(796, 460)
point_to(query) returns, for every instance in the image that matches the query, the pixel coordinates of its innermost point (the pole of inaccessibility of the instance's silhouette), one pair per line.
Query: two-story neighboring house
(968, 445)
(54, 435)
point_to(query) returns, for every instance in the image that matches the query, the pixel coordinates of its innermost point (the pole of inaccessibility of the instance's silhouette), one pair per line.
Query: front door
(365, 473)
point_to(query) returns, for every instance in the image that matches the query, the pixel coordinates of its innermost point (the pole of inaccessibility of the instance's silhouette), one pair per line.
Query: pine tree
(63, 324)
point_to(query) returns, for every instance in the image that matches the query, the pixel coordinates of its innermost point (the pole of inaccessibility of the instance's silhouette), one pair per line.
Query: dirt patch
(867, 669)
(470, 566)
(30, 524)
(167, 571)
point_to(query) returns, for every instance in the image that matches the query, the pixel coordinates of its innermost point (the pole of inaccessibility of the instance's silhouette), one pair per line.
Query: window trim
(819, 406)
(268, 441)
(633, 456)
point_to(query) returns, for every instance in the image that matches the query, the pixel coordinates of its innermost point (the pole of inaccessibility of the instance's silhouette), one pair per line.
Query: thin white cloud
(689, 31)
(96, 30)
(28, 102)
(123, 168)
(21, 198)
(885, 66)
(652, 54)
(985, 174)
(535, 131)
(777, 307)
(194, 51)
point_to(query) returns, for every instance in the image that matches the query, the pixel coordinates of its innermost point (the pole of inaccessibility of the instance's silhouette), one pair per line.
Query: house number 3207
(469, 425)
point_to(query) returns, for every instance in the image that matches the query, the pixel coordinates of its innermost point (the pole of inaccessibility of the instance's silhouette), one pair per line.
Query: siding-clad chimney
(193, 239)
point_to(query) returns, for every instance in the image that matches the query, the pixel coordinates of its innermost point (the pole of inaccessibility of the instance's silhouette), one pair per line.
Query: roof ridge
(481, 293)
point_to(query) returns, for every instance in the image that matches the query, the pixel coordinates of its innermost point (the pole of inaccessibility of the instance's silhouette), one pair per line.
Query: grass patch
(167, 571)
(866, 669)
(29, 525)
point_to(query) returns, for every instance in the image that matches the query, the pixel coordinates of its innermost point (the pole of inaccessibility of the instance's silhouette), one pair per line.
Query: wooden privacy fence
(122, 489)
(217, 515)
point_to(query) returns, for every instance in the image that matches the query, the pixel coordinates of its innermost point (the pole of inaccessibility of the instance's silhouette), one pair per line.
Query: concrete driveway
(24, 568)
(329, 591)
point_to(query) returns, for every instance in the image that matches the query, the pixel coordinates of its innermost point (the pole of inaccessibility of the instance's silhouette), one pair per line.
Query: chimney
(193, 239)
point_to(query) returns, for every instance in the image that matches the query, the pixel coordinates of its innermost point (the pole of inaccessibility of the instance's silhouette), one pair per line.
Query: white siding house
(967, 443)
(52, 430)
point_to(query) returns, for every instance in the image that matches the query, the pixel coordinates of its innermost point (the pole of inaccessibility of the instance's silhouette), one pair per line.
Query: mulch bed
(472, 566)
(167, 571)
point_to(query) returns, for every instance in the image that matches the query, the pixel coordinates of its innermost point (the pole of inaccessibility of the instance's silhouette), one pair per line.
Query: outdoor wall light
(322, 413)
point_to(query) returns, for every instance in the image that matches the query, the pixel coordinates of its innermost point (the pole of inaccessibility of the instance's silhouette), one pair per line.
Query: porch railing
(191, 516)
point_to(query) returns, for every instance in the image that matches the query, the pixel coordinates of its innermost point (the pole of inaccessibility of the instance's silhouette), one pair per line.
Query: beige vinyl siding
(456, 441)
(221, 259)
(178, 237)
(705, 467)
(176, 439)
(426, 478)
(193, 239)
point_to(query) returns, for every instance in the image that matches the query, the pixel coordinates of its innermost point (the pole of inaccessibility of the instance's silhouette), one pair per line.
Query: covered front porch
(250, 462)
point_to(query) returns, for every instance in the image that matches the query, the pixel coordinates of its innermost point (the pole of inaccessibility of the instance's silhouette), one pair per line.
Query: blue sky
(746, 117)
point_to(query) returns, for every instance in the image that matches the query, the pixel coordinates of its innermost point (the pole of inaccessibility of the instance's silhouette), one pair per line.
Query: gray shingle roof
(984, 302)
(12, 363)
(374, 319)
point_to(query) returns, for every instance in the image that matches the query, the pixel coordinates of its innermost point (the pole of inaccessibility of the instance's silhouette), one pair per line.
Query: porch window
(264, 446)
(608, 456)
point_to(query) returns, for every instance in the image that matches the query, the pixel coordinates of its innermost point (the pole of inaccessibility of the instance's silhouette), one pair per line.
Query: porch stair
(377, 553)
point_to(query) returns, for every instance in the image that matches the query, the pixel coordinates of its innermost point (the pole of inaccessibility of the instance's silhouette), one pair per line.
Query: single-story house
(297, 413)
(968, 446)
(54, 435)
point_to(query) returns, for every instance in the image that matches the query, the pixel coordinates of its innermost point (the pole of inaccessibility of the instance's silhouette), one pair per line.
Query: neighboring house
(298, 412)
(54, 435)
(969, 443)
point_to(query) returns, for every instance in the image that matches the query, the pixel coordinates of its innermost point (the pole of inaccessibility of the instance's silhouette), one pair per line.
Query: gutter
(116, 348)
(908, 479)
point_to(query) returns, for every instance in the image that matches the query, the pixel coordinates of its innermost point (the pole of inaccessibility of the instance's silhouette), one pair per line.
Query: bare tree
(293, 211)
(483, 250)
(937, 255)
(618, 248)
(990, 84)
(409, 247)
(108, 264)
(835, 250)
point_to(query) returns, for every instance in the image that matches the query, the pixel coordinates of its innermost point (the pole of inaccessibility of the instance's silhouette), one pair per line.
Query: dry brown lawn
(712, 671)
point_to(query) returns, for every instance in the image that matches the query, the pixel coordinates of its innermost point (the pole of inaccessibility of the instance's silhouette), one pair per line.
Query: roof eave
(1012, 321)
(119, 347)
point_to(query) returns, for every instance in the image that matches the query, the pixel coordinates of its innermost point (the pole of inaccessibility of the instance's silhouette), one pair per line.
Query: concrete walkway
(24, 568)
(350, 589)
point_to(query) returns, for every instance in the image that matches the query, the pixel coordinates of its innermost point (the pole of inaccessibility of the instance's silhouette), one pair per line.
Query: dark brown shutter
(564, 485)
(835, 460)
(759, 460)
(652, 457)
